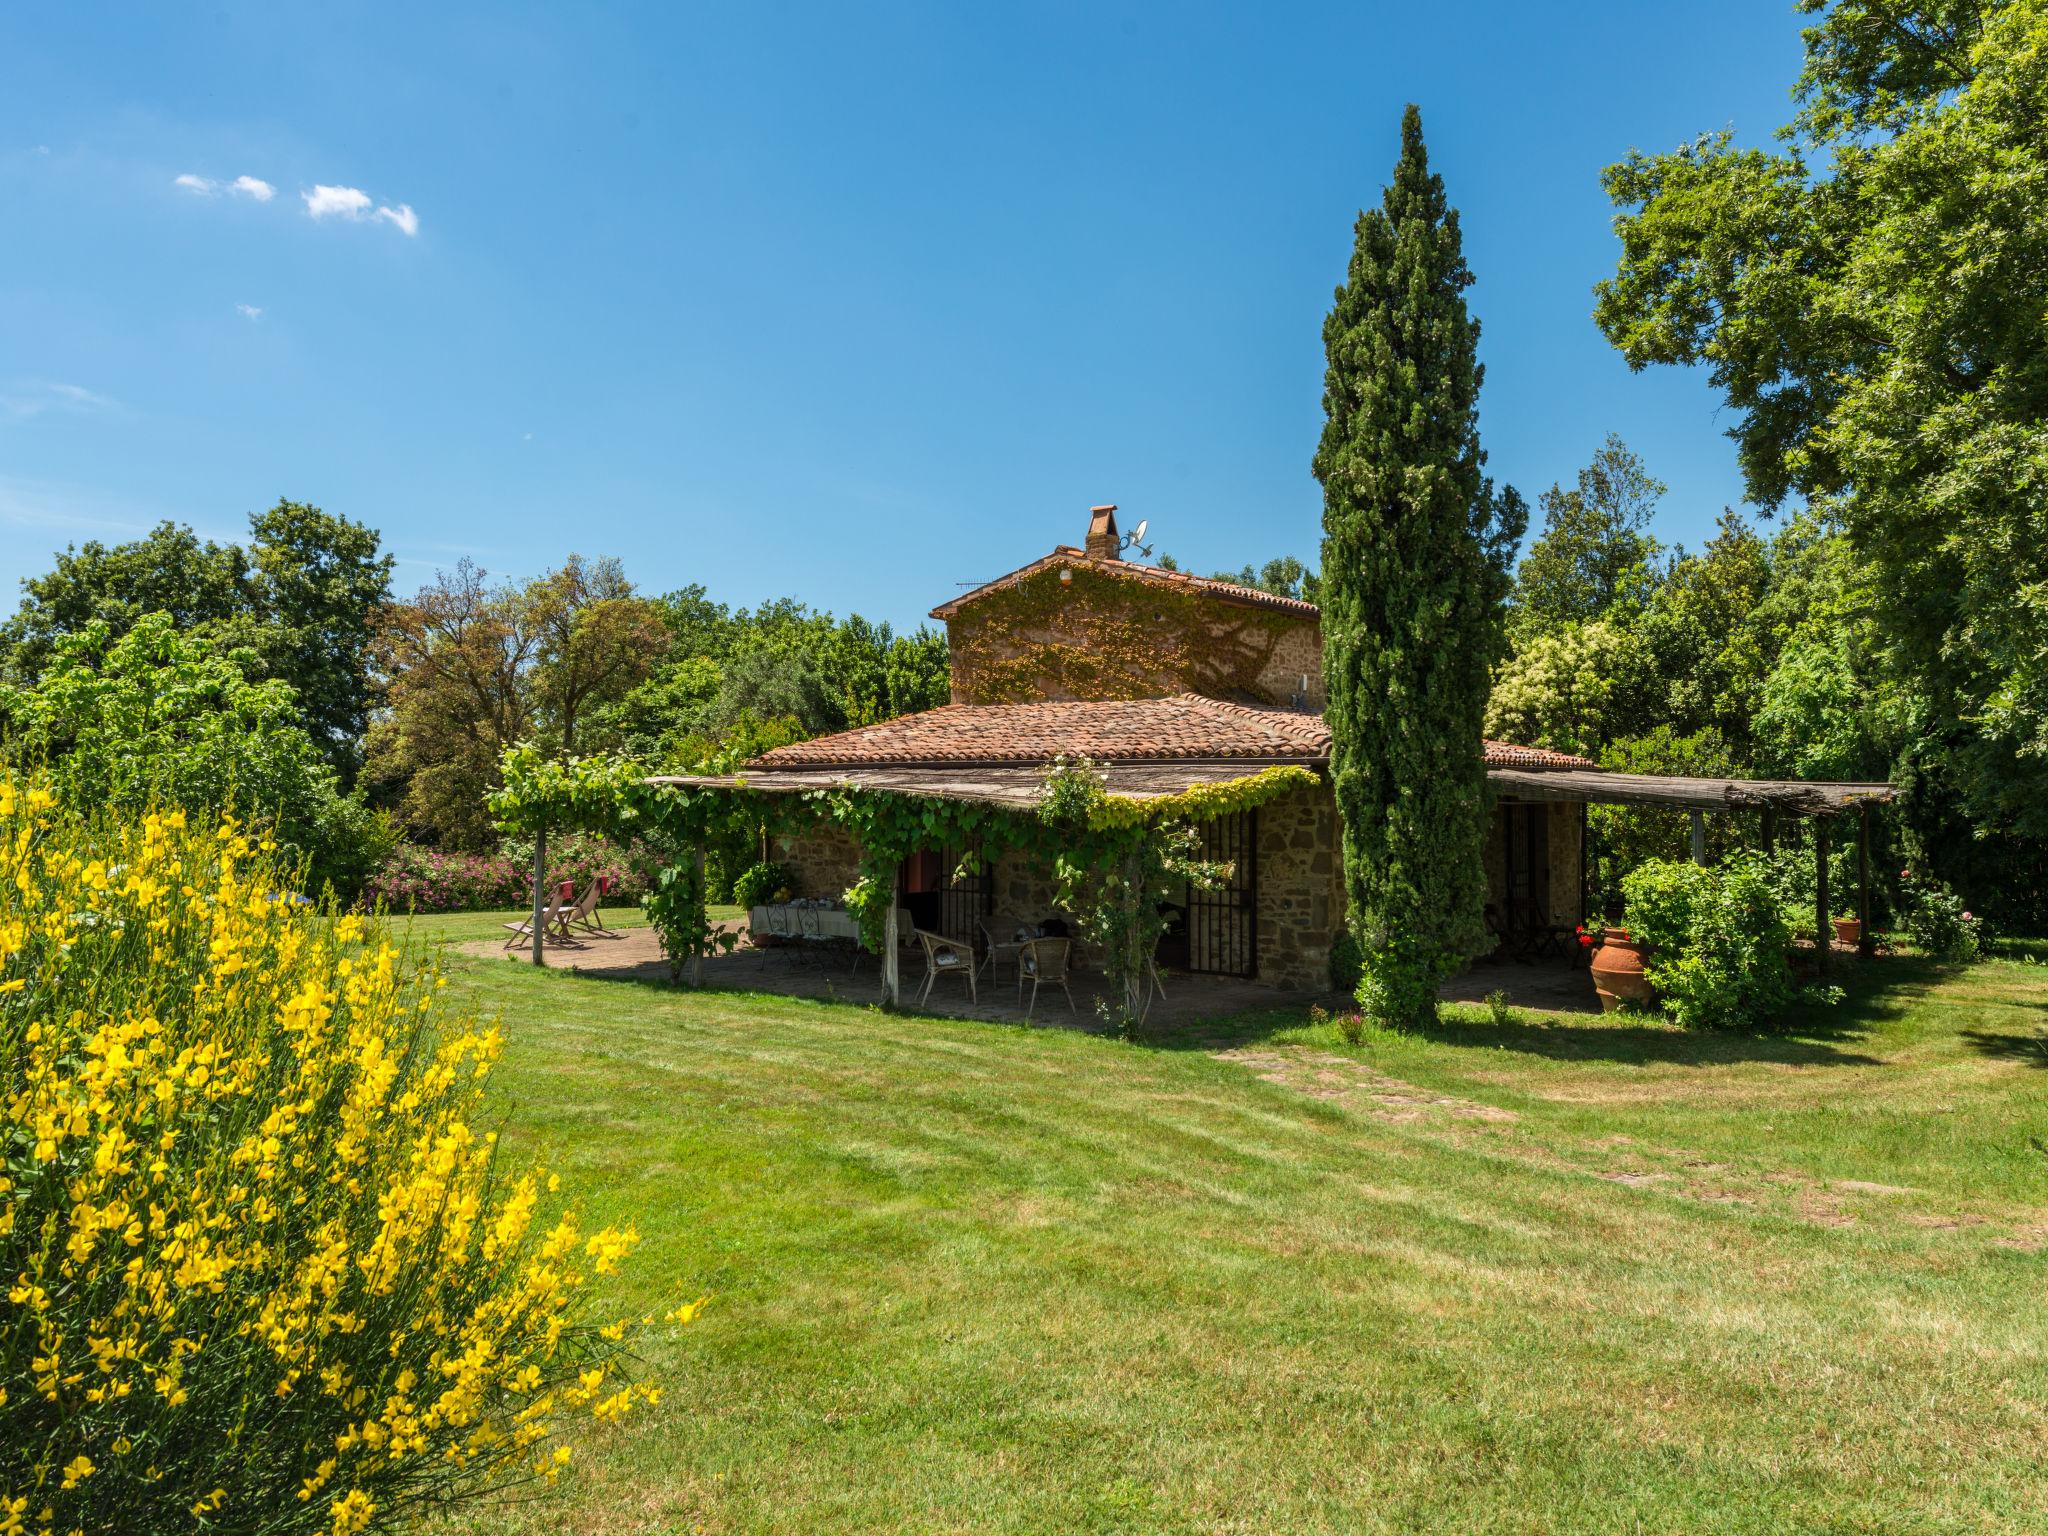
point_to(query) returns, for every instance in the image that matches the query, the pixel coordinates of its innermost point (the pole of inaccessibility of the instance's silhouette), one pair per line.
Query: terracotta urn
(1849, 931)
(1618, 971)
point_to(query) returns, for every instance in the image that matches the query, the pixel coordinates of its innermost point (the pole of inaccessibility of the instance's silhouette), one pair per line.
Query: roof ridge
(1231, 591)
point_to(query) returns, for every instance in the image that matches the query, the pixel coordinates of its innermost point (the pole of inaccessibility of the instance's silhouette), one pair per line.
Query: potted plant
(1849, 931)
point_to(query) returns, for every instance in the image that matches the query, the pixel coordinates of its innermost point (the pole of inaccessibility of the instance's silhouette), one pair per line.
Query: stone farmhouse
(1169, 680)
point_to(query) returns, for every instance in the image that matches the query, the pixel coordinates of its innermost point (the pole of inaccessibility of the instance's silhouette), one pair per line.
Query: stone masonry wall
(823, 860)
(1301, 888)
(1103, 636)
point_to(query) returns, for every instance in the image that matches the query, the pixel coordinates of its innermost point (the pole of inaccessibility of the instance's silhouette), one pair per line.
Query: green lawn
(1554, 1276)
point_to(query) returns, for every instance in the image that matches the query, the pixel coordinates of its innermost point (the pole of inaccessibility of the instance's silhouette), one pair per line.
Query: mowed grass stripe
(979, 1278)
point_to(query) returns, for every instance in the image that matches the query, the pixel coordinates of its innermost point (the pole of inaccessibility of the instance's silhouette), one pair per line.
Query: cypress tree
(1417, 552)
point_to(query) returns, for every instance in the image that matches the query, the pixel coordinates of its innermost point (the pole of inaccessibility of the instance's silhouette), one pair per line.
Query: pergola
(1821, 801)
(1005, 786)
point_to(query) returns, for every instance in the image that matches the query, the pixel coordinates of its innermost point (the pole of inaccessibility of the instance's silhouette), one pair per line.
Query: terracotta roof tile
(1066, 554)
(1184, 728)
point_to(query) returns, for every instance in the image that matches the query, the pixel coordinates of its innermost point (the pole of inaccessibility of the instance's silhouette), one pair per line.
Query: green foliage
(758, 883)
(1415, 558)
(1866, 298)
(1115, 874)
(1595, 551)
(1719, 941)
(154, 716)
(300, 598)
(1938, 923)
(587, 794)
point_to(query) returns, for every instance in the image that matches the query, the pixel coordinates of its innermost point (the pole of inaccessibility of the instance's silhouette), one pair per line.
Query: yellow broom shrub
(260, 1267)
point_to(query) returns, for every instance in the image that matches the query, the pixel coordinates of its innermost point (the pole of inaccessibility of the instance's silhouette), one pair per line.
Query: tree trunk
(540, 878)
(892, 985)
(702, 915)
(1823, 916)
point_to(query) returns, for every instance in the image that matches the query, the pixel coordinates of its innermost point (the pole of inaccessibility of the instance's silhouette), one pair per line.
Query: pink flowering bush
(415, 878)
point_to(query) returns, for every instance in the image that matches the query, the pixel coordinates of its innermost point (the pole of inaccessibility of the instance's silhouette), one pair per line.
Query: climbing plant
(611, 796)
(1114, 860)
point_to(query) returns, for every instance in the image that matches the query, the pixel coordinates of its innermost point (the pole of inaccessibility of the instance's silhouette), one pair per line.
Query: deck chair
(1043, 962)
(946, 957)
(551, 929)
(580, 912)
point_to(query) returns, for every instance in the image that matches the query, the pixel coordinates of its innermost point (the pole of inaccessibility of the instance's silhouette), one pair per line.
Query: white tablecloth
(830, 922)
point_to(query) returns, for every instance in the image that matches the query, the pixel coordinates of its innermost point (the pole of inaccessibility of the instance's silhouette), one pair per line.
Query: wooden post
(892, 984)
(1823, 915)
(1136, 997)
(540, 878)
(1699, 837)
(703, 914)
(1864, 945)
(1770, 830)
(1584, 833)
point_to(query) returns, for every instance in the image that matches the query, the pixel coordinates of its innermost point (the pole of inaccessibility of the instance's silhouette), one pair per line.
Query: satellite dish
(1138, 533)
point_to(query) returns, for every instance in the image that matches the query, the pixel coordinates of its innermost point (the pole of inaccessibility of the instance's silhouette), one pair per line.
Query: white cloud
(326, 202)
(241, 186)
(403, 217)
(249, 311)
(32, 397)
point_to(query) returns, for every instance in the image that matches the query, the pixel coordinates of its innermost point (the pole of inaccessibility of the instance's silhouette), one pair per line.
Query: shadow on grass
(1611, 1038)
(1812, 1035)
(2031, 1049)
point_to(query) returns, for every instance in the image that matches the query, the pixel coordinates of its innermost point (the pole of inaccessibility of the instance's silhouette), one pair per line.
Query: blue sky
(856, 303)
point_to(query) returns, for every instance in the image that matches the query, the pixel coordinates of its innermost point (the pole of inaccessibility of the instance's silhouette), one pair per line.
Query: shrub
(1719, 940)
(414, 878)
(1937, 923)
(758, 883)
(1500, 1009)
(265, 1271)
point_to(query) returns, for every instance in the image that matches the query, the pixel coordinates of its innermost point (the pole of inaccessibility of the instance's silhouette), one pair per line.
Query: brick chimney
(1103, 540)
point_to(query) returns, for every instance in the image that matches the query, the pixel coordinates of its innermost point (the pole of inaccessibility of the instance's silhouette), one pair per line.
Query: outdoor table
(832, 922)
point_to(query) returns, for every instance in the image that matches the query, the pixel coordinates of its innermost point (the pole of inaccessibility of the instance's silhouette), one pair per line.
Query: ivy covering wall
(1103, 636)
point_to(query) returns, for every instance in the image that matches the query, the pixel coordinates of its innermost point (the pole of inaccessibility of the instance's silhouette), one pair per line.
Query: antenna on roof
(1135, 539)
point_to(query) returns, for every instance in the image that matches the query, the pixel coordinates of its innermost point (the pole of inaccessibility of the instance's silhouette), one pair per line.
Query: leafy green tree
(199, 583)
(1868, 299)
(320, 581)
(1415, 561)
(1595, 550)
(302, 598)
(919, 671)
(158, 717)
(1573, 688)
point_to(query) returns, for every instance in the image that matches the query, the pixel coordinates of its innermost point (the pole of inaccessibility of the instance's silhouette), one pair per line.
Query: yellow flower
(78, 1470)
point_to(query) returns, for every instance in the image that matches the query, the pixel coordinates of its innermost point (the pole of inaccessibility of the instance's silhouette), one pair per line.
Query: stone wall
(1301, 888)
(823, 860)
(1103, 636)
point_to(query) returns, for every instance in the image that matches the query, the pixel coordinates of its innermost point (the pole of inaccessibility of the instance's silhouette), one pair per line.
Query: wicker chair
(946, 957)
(1043, 962)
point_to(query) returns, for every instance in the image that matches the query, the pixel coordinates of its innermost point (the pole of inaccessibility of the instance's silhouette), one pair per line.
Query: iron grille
(963, 898)
(1223, 924)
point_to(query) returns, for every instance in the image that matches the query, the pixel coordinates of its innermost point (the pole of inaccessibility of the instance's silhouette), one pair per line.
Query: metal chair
(946, 957)
(1042, 962)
